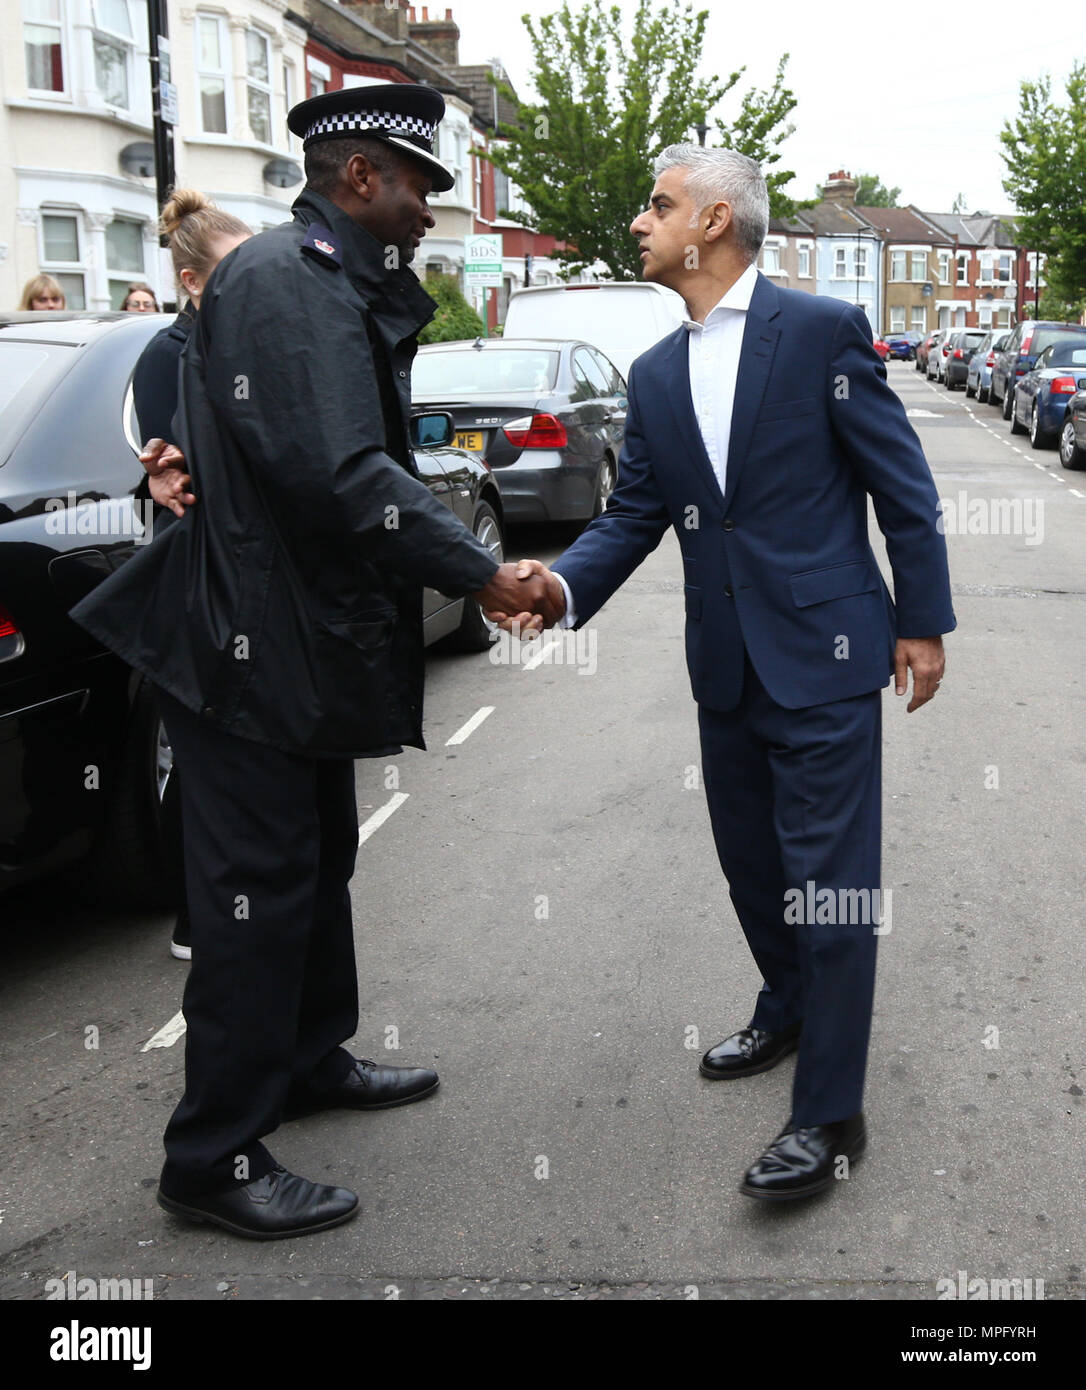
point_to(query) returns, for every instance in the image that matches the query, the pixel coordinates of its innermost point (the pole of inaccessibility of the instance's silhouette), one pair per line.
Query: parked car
(547, 416)
(1041, 397)
(1027, 340)
(904, 345)
(961, 345)
(923, 348)
(881, 346)
(937, 354)
(978, 377)
(622, 320)
(84, 760)
(1073, 433)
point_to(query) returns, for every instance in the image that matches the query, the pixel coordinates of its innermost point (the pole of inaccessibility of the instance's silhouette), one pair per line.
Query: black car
(961, 345)
(1028, 339)
(83, 757)
(1072, 439)
(547, 415)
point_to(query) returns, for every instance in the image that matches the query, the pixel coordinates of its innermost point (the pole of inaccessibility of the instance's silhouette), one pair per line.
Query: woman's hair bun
(182, 203)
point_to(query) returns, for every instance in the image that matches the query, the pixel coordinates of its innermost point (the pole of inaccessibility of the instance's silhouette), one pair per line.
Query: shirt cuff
(570, 616)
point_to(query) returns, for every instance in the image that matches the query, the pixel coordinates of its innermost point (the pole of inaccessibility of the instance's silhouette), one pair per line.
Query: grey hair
(724, 176)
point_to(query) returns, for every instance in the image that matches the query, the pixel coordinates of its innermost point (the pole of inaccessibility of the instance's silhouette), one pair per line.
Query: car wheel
(1016, 426)
(949, 383)
(1008, 403)
(1038, 438)
(1071, 456)
(970, 391)
(131, 862)
(474, 632)
(982, 394)
(605, 485)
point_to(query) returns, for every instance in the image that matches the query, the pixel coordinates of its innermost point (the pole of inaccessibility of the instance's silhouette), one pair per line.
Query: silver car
(978, 379)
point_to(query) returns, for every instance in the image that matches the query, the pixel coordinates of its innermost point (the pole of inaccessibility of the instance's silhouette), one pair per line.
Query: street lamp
(702, 130)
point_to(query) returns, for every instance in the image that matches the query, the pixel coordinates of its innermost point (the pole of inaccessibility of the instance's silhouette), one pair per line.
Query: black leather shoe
(747, 1052)
(368, 1086)
(802, 1161)
(278, 1205)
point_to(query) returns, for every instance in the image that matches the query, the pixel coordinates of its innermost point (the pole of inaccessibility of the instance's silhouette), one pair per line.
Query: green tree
(455, 318)
(873, 193)
(608, 104)
(1044, 149)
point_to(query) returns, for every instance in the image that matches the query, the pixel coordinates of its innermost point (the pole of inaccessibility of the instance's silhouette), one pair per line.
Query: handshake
(523, 598)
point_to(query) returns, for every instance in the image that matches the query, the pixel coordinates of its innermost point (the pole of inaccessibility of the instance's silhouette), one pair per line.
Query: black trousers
(270, 844)
(795, 800)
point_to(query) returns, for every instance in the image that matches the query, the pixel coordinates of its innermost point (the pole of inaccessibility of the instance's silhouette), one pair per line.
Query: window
(61, 255)
(1031, 262)
(897, 265)
(1003, 316)
(258, 87)
(113, 47)
(211, 72)
(984, 316)
(289, 99)
(43, 43)
(501, 191)
(1004, 269)
(320, 74)
(918, 319)
(124, 257)
(803, 255)
(840, 263)
(944, 267)
(986, 259)
(771, 258)
(897, 318)
(963, 268)
(859, 263)
(918, 269)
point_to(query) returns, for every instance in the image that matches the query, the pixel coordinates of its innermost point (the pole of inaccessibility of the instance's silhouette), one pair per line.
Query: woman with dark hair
(200, 235)
(140, 299)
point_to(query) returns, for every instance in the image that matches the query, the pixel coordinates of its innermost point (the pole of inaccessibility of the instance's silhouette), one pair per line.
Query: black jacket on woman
(155, 389)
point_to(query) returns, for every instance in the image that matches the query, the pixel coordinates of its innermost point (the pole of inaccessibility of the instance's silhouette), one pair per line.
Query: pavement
(540, 914)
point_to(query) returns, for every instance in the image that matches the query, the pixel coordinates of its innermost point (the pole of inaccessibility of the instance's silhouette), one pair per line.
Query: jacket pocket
(354, 677)
(835, 581)
(788, 410)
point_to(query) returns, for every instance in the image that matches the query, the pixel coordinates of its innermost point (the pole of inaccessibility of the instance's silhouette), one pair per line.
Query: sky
(916, 94)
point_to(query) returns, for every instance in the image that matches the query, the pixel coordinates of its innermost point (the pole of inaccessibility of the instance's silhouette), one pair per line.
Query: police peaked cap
(403, 114)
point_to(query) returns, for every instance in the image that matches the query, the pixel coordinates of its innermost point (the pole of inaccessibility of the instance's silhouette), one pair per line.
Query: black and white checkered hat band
(347, 121)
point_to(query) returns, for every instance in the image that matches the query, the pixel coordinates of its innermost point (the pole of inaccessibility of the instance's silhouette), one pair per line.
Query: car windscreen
(483, 371)
(1045, 337)
(1068, 355)
(972, 341)
(28, 372)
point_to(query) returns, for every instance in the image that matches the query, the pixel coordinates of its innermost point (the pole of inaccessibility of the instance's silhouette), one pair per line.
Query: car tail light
(990, 361)
(11, 639)
(1064, 386)
(958, 352)
(536, 432)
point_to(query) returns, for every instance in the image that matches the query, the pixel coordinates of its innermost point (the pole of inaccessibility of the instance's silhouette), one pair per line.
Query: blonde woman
(42, 292)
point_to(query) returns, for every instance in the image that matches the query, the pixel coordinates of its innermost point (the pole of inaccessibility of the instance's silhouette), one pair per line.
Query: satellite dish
(139, 159)
(282, 173)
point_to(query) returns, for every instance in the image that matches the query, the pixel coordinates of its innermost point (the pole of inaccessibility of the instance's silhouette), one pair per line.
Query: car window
(1000, 343)
(1063, 355)
(613, 377)
(597, 374)
(1047, 337)
(28, 372)
(586, 376)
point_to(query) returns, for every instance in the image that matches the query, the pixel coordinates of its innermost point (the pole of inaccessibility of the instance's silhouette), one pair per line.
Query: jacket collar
(396, 292)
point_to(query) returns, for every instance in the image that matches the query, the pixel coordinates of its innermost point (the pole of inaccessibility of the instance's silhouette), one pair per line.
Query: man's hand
(167, 481)
(524, 597)
(926, 658)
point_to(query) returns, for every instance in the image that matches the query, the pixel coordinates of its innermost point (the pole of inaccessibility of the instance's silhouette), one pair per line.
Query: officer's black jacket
(286, 605)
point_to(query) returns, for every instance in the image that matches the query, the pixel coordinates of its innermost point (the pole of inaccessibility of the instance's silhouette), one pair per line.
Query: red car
(882, 348)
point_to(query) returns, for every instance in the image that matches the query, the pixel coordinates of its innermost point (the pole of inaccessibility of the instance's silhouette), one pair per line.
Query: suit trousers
(795, 804)
(272, 993)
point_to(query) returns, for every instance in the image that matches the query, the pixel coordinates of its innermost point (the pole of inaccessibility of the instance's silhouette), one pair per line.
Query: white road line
(1056, 476)
(1040, 466)
(374, 822)
(541, 653)
(167, 1036)
(469, 728)
(1076, 492)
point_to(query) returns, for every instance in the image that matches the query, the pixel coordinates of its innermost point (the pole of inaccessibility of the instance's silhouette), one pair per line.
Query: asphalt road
(541, 915)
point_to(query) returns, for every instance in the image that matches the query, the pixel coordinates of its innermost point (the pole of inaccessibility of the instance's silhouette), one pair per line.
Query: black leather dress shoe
(803, 1161)
(368, 1086)
(278, 1205)
(747, 1052)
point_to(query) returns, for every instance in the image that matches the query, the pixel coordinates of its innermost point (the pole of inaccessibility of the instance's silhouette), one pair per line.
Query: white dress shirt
(713, 357)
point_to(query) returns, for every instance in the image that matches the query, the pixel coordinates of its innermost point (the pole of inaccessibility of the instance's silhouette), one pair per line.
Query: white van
(622, 320)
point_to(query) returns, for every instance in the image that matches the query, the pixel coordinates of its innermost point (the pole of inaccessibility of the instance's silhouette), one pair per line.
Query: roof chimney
(440, 36)
(840, 188)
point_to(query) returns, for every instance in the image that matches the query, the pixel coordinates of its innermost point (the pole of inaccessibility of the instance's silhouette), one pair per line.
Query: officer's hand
(526, 595)
(925, 657)
(157, 455)
(170, 488)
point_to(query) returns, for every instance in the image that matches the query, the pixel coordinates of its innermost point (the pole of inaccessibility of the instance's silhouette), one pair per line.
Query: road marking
(540, 653)
(167, 1036)
(1054, 475)
(1077, 493)
(1040, 466)
(469, 728)
(374, 822)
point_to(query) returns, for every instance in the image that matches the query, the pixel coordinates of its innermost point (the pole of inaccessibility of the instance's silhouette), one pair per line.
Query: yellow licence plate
(470, 439)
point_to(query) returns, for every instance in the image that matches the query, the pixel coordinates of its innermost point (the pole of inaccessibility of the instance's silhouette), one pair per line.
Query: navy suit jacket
(781, 563)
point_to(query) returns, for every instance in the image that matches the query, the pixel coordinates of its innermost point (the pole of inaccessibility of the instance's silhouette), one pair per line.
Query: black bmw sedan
(84, 761)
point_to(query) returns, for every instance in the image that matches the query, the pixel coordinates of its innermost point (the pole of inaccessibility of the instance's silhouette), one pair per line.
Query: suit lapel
(675, 375)
(760, 338)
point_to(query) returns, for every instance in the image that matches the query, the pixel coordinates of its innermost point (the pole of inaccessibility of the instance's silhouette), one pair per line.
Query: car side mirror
(431, 430)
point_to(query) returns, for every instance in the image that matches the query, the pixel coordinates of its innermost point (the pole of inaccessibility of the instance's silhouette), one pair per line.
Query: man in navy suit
(758, 430)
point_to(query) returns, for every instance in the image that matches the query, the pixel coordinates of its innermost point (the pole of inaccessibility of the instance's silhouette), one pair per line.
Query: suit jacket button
(729, 524)
(728, 591)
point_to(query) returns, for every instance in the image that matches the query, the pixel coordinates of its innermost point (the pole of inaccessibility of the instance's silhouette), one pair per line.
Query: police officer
(281, 620)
